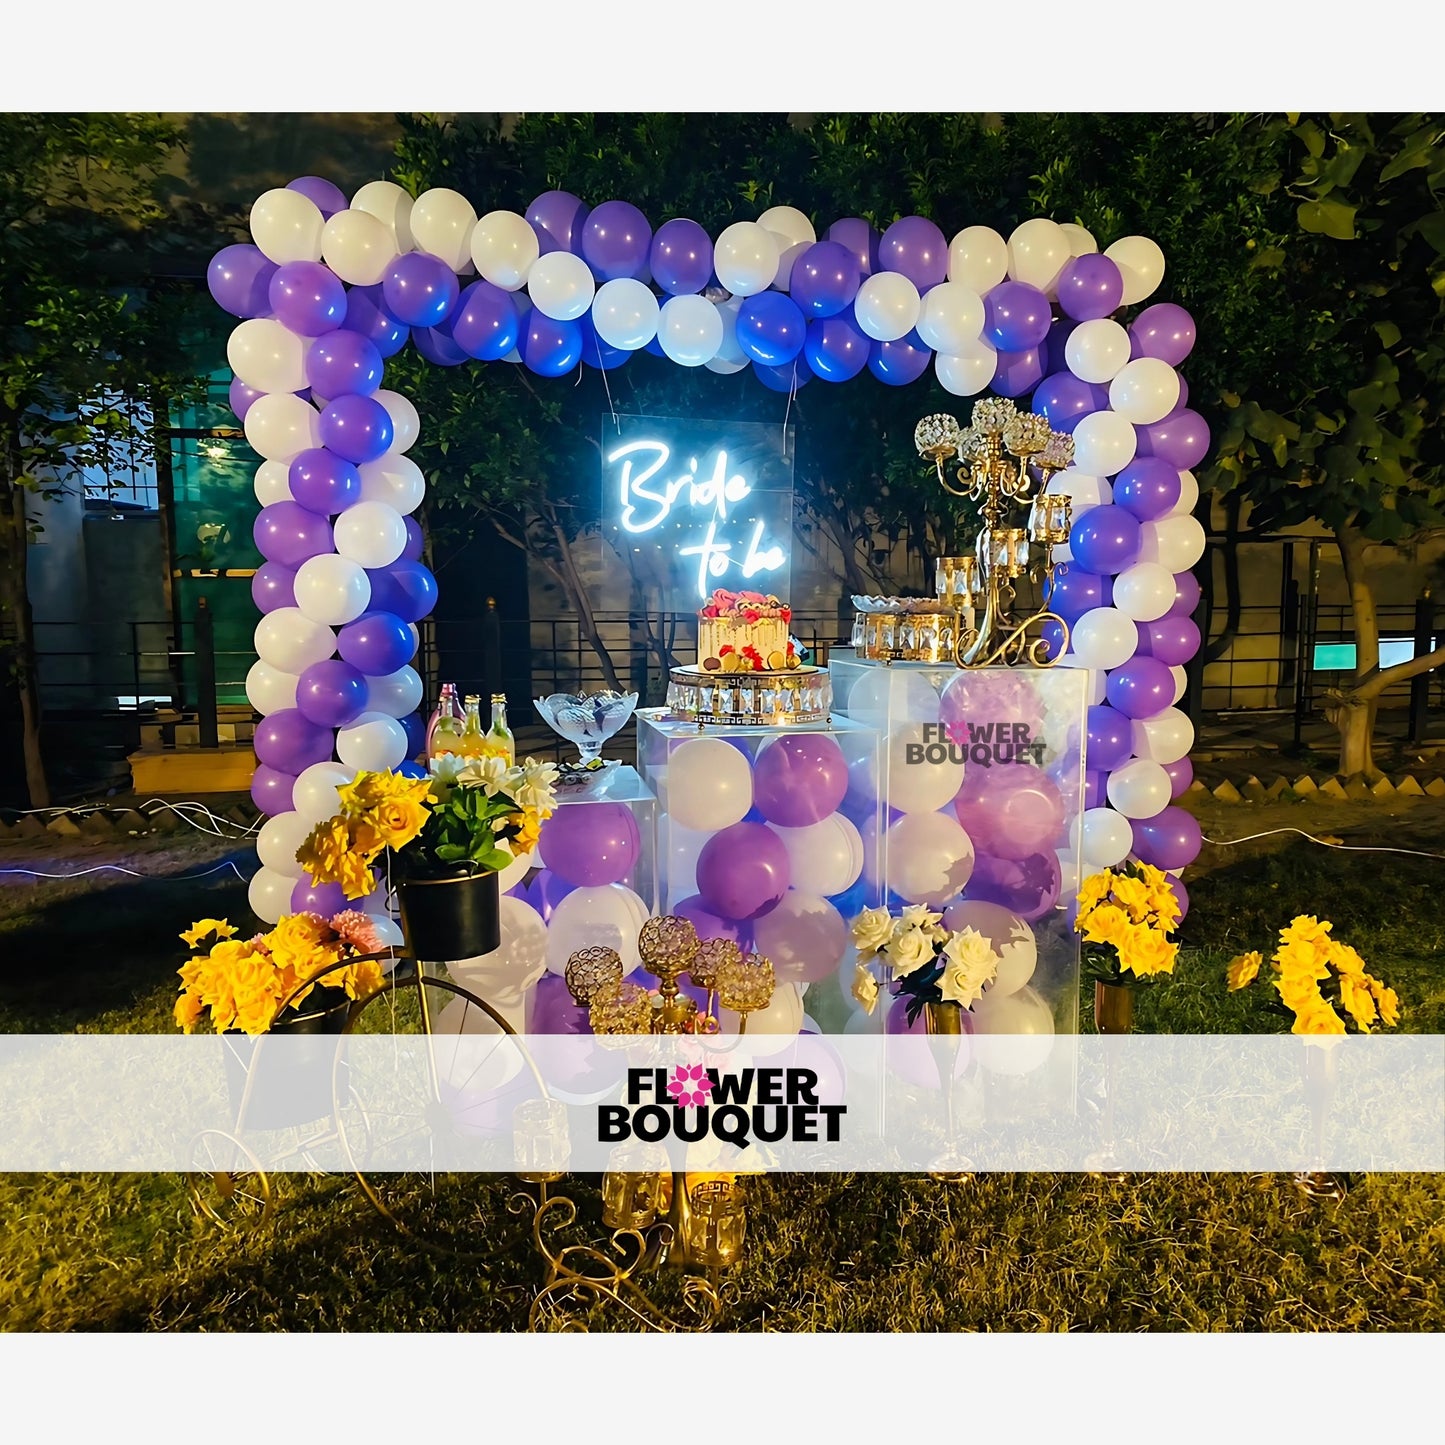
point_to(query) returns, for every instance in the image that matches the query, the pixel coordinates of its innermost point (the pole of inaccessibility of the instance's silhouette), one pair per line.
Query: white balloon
(287, 226)
(729, 358)
(978, 258)
(1013, 1034)
(1145, 391)
(928, 858)
(269, 893)
(373, 743)
(392, 206)
(505, 247)
(625, 313)
(967, 371)
(266, 356)
(291, 642)
(782, 1018)
(521, 956)
(268, 689)
(884, 697)
(282, 426)
(824, 858)
(561, 285)
(278, 840)
(1104, 443)
(388, 933)
(1176, 543)
(690, 330)
(915, 787)
(1141, 263)
(1083, 490)
(334, 590)
(1144, 591)
(950, 316)
(1104, 637)
(314, 791)
(358, 247)
(1107, 837)
(1094, 690)
(1181, 681)
(1037, 251)
(607, 916)
(516, 870)
(745, 257)
(709, 785)
(1097, 351)
(441, 223)
(794, 233)
(398, 694)
(394, 480)
(803, 933)
(405, 423)
(273, 483)
(371, 534)
(1081, 242)
(887, 306)
(1165, 738)
(1139, 789)
(1188, 495)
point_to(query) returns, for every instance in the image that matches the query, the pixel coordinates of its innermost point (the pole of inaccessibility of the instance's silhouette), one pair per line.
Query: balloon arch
(330, 289)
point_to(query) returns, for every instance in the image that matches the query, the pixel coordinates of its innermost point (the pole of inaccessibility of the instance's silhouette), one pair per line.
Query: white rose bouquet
(928, 963)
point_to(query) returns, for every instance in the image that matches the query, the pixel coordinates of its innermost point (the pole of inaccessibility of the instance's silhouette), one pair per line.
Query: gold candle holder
(1049, 525)
(746, 986)
(637, 1187)
(716, 1224)
(540, 1140)
(713, 956)
(956, 581)
(627, 1011)
(668, 946)
(593, 973)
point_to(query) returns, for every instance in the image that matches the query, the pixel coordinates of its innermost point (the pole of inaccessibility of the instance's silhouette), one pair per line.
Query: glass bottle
(473, 740)
(444, 730)
(500, 742)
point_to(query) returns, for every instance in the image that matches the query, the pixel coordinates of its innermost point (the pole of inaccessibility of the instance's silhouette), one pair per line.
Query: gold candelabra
(1002, 457)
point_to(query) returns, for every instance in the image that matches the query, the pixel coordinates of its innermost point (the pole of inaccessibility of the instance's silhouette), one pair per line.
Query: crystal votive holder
(540, 1140)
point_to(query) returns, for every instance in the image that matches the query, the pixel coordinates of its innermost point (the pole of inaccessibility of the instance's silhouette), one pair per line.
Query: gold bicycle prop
(1002, 457)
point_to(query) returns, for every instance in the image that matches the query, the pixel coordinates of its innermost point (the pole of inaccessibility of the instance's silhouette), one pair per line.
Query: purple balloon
(1181, 439)
(859, 237)
(419, 289)
(917, 249)
(799, 779)
(241, 396)
(1027, 886)
(825, 279)
(1105, 539)
(1171, 839)
(1183, 396)
(437, 347)
(367, 316)
(554, 1010)
(1095, 795)
(290, 741)
(326, 899)
(616, 240)
(308, 298)
(1016, 316)
(1181, 775)
(897, 363)
(557, 218)
(406, 588)
(742, 871)
(357, 428)
(1186, 594)
(286, 532)
(415, 540)
(589, 844)
(1182, 894)
(1111, 740)
(680, 257)
(974, 704)
(770, 328)
(1141, 687)
(271, 790)
(710, 925)
(344, 363)
(836, 347)
(376, 644)
(793, 376)
(327, 197)
(1077, 591)
(1018, 371)
(1164, 331)
(1054, 359)
(1054, 639)
(1064, 401)
(1090, 288)
(545, 892)
(273, 586)
(331, 694)
(1173, 639)
(323, 482)
(1011, 810)
(550, 348)
(1148, 487)
(485, 323)
(239, 279)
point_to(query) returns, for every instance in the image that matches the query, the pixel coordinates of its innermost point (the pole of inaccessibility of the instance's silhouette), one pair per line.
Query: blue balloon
(410, 769)
(896, 363)
(437, 346)
(771, 329)
(485, 323)
(414, 726)
(837, 347)
(419, 289)
(595, 351)
(1064, 401)
(791, 376)
(406, 588)
(366, 316)
(550, 348)
(825, 279)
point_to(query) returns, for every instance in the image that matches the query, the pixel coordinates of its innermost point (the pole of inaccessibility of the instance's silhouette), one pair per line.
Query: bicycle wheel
(227, 1184)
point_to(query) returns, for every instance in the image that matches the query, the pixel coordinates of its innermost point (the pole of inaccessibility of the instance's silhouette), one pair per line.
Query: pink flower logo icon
(689, 1086)
(957, 732)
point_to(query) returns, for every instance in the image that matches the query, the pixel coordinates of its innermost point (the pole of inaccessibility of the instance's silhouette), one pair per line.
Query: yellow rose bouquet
(1324, 983)
(1126, 915)
(927, 963)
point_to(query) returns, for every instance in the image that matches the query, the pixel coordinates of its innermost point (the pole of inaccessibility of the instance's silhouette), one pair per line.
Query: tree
(83, 336)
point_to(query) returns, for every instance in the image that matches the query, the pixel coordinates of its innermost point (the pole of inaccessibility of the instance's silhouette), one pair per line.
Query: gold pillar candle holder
(1051, 519)
(540, 1140)
(637, 1187)
(955, 581)
(716, 1223)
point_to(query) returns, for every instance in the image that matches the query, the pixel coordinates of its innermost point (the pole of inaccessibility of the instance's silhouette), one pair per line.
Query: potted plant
(1126, 915)
(443, 838)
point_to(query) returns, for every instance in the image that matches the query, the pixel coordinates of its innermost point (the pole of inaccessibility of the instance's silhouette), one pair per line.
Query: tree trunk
(1353, 713)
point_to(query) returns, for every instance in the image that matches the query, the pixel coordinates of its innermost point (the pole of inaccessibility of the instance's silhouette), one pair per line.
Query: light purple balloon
(591, 844)
(271, 790)
(1181, 775)
(241, 396)
(557, 217)
(1090, 288)
(331, 693)
(273, 586)
(438, 348)
(1141, 687)
(1018, 371)
(1148, 487)
(287, 533)
(1111, 739)
(915, 248)
(859, 237)
(1186, 594)
(1171, 839)
(367, 316)
(1182, 439)
(1164, 331)
(377, 644)
(290, 741)
(239, 279)
(680, 257)
(1028, 886)
(616, 240)
(975, 705)
(709, 924)
(799, 779)
(1095, 784)
(327, 197)
(344, 363)
(1016, 317)
(326, 899)
(415, 540)
(1011, 810)
(1173, 639)
(743, 871)
(308, 298)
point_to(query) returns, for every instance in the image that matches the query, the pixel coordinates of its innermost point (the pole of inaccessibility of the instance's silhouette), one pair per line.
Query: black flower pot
(291, 1085)
(448, 918)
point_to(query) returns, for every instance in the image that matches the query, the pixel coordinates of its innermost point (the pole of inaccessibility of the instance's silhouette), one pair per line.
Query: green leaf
(1312, 137)
(1388, 333)
(1432, 228)
(1328, 218)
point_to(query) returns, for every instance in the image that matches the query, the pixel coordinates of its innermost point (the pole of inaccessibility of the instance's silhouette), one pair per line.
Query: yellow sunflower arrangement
(378, 810)
(1126, 915)
(242, 982)
(1322, 981)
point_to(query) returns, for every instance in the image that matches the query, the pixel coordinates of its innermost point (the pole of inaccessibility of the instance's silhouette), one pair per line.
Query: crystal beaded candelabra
(1005, 460)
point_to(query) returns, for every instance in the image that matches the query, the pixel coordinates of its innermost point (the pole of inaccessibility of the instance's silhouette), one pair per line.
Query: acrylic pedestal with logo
(981, 783)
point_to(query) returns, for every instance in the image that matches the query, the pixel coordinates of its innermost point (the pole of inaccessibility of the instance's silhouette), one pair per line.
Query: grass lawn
(824, 1252)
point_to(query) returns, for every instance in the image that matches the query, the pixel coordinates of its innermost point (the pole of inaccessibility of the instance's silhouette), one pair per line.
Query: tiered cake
(744, 632)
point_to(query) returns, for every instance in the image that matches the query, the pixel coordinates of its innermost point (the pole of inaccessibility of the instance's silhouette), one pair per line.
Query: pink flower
(356, 929)
(689, 1086)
